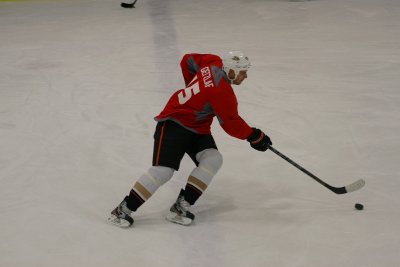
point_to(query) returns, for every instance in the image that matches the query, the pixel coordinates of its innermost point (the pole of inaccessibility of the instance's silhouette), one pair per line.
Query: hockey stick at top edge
(338, 190)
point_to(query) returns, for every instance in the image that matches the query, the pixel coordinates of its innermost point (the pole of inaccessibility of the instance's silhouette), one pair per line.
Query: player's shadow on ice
(219, 209)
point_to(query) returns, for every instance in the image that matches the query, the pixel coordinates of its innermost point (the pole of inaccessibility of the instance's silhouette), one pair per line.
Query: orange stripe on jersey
(159, 143)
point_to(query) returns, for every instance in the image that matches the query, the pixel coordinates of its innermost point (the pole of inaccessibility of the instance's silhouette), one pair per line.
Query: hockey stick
(338, 190)
(128, 5)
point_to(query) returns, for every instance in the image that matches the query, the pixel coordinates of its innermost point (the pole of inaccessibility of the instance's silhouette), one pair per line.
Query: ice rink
(80, 83)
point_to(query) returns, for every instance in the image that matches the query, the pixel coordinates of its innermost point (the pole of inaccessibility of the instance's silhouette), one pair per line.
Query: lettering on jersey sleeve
(207, 79)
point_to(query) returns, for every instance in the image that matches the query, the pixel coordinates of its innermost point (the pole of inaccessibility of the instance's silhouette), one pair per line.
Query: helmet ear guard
(236, 61)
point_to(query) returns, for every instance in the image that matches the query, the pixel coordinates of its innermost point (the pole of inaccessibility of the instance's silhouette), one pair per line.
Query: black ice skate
(121, 215)
(179, 212)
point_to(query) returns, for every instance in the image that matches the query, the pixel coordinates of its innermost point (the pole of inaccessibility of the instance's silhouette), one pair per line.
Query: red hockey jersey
(208, 94)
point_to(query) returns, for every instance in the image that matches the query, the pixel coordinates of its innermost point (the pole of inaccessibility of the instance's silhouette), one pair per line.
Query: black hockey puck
(359, 206)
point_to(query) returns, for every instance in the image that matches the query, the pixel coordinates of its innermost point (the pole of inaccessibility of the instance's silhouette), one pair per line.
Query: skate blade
(175, 218)
(114, 220)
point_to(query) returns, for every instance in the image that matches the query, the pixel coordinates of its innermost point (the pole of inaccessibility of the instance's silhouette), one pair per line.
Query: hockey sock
(193, 192)
(147, 184)
(210, 161)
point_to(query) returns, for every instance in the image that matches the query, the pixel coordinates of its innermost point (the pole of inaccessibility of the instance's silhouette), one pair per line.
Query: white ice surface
(80, 83)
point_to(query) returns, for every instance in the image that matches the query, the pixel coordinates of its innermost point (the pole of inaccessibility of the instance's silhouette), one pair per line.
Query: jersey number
(188, 92)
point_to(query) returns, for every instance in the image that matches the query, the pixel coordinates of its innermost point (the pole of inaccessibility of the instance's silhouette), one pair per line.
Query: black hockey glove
(259, 140)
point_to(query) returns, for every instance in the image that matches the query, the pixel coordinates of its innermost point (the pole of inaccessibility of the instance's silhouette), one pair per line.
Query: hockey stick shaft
(338, 190)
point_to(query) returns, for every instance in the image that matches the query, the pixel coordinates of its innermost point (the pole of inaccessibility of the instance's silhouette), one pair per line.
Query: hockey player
(184, 127)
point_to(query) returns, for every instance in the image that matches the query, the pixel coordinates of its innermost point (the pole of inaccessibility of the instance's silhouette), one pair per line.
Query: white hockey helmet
(235, 60)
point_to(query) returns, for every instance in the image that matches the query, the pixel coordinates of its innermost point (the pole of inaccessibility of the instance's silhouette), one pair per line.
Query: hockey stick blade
(338, 190)
(355, 186)
(345, 189)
